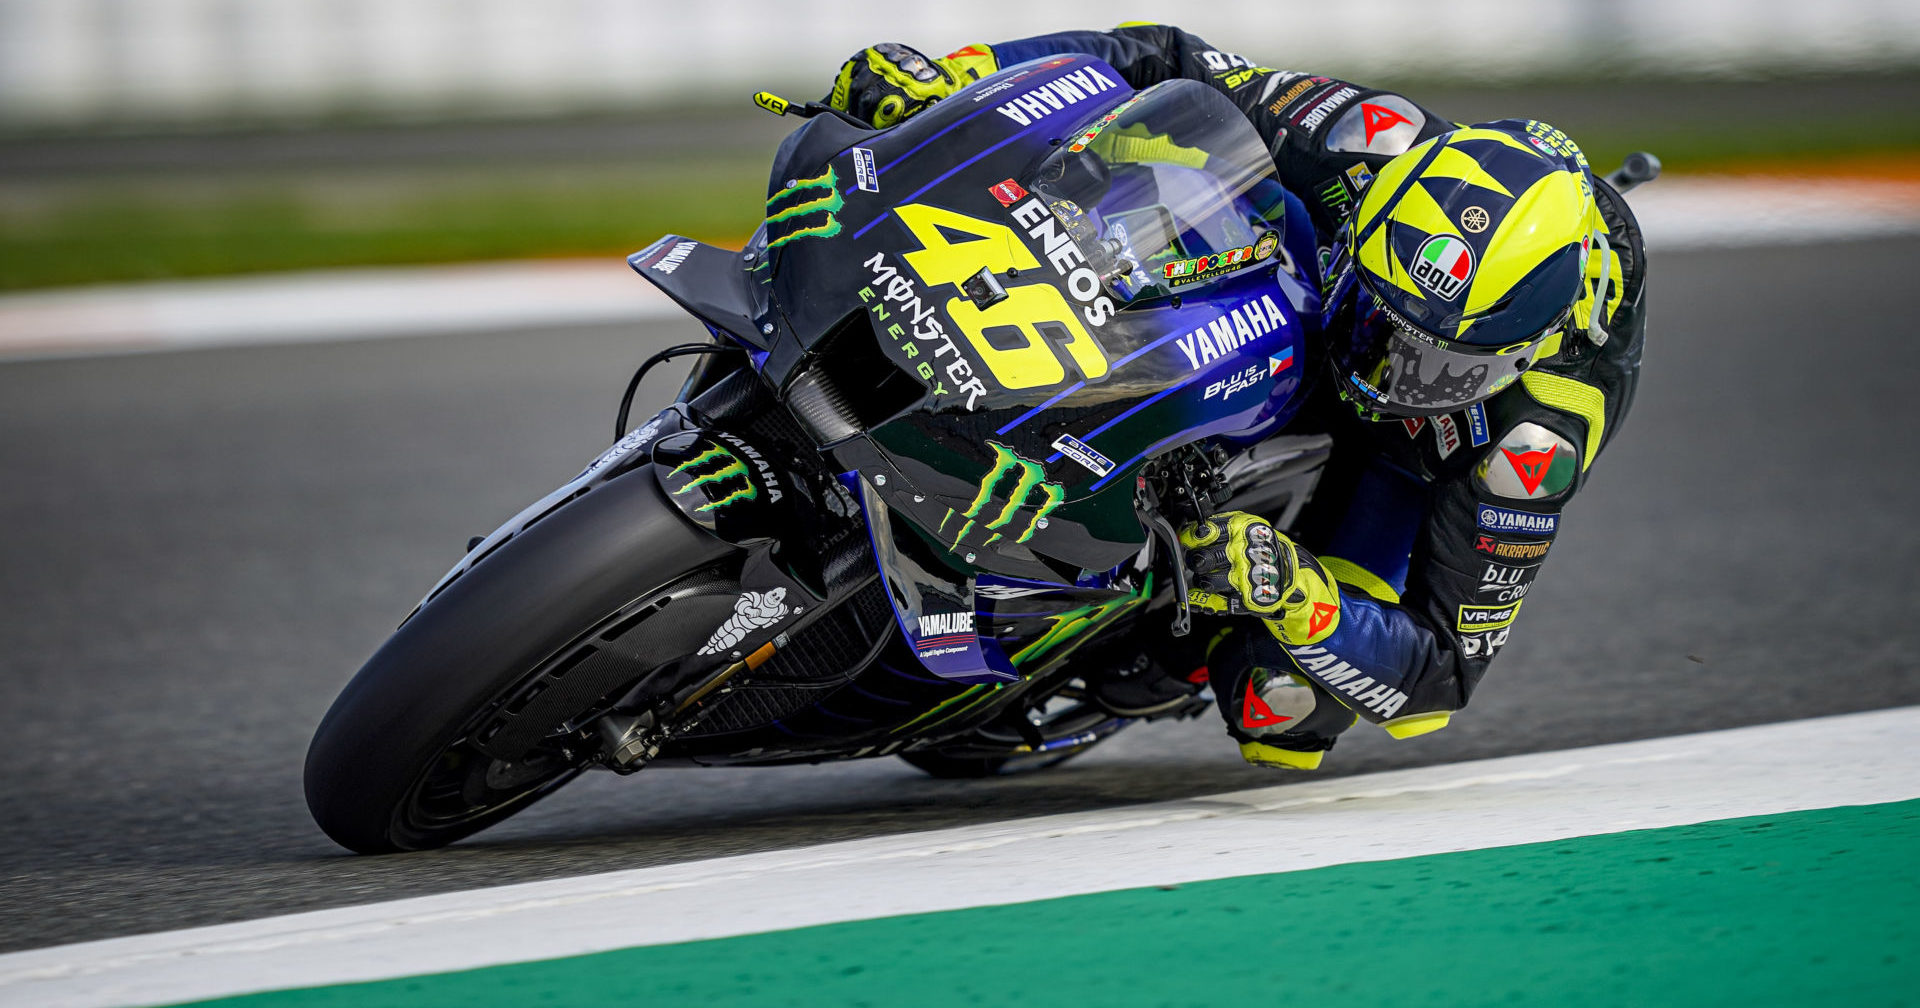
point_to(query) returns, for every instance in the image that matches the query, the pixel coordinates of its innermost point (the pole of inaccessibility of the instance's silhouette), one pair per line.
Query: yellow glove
(886, 83)
(1239, 565)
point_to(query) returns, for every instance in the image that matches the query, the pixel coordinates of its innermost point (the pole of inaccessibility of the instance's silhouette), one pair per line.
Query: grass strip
(172, 225)
(1793, 909)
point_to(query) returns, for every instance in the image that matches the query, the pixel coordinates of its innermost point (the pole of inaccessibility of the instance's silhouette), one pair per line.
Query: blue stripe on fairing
(1122, 467)
(1077, 386)
(1030, 414)
(949, 173)
(1137, 407)
(915, 149)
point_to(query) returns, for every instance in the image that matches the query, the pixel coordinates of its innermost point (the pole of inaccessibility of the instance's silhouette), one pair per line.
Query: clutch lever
(784, 107)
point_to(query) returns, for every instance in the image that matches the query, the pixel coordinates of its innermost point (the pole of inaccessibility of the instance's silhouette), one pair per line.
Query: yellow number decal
(1033, 363)
(997, 247)
(994, 246)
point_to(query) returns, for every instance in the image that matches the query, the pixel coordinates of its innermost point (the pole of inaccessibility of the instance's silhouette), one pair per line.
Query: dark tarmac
(202, 546)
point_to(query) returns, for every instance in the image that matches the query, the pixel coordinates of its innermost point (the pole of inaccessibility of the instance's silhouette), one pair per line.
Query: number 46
(1010, 336)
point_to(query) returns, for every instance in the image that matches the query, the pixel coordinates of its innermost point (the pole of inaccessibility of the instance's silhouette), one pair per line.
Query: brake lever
(784, 107)
(1163, 529)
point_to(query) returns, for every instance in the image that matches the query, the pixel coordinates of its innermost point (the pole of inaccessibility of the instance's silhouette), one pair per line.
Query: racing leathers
(1434, 528)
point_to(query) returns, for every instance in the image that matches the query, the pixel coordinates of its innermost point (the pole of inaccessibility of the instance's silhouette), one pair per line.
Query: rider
(1484, 319)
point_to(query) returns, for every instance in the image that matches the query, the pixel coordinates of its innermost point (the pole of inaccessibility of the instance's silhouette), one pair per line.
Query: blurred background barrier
(65, 62)
(162, 139)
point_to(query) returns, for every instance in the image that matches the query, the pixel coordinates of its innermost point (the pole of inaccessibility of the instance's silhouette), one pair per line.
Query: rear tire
(391, 767)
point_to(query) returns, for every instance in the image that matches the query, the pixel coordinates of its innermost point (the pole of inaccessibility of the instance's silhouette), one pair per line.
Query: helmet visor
(1412, 373)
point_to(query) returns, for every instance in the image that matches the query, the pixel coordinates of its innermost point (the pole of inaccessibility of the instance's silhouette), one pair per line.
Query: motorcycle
(919, 488)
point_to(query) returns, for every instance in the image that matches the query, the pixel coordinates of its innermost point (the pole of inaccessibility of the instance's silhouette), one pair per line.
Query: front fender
(727, 486)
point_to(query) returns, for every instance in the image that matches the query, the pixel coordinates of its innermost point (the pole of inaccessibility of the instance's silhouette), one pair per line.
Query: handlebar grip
(1638, 169)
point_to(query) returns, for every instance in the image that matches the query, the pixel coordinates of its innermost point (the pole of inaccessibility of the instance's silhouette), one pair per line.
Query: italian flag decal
(1443, 265)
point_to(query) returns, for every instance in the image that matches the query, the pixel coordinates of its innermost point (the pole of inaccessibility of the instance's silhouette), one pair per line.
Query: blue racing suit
(1434, 528)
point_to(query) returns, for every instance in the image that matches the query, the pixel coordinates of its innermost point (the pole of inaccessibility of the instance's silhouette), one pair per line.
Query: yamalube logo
(946, 624)
(754, 611)
(1443, 265)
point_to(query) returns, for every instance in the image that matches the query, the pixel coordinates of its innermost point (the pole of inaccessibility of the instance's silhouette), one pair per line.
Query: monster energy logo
(817, 195)
(727, 467)
(1029, 491)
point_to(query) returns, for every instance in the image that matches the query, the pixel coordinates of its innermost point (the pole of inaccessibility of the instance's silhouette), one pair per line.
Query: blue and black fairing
(1011, 448)
(934, 415)
(711, 285)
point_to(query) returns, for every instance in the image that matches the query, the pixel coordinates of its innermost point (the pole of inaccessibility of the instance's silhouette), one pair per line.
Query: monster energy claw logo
(804, 199)
(720, 466)
(1028, 491)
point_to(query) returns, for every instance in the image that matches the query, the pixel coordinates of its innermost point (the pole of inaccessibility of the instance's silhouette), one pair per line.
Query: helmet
(1461, 267)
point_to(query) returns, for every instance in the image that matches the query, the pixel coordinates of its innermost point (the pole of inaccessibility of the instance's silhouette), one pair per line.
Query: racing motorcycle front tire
(391, 767)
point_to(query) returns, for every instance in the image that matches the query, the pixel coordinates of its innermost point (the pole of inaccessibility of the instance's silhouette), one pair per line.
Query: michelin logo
(754, 611)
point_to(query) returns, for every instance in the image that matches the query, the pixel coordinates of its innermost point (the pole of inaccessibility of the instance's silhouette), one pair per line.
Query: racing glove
(1238, 564)
(885, 84)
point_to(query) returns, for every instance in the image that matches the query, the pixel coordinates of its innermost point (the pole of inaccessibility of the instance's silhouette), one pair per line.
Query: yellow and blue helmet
(1461, 266)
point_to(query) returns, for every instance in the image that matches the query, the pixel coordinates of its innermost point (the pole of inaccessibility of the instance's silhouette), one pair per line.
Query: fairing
(990, 354)
(1011, 423)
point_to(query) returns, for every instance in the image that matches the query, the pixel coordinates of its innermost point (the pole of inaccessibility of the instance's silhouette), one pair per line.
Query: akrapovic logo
(1021, 483)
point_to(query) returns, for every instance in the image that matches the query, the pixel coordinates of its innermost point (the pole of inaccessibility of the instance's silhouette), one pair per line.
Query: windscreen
(1171, 188)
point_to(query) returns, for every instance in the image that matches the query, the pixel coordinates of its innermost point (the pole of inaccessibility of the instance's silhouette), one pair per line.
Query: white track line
(1854, 759)
(1700, 212)
(1677, 214)
(326, 305)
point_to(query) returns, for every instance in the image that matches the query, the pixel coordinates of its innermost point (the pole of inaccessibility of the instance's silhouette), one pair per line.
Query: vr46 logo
(1027, 493)
(1030, 326)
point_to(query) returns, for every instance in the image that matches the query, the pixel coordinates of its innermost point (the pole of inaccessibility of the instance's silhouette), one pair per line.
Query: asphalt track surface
(201, 547)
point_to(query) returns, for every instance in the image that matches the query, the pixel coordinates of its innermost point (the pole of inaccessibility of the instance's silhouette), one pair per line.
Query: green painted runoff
(1801, 908)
